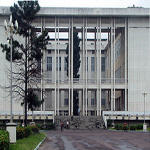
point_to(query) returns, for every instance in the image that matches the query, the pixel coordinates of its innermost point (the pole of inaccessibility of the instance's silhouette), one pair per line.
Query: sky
(86, 3)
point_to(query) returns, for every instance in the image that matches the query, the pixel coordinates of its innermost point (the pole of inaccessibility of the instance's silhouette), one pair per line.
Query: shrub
(139, 127)
(34, 129)
(39, 126)
(2, 126)
(125, 126)
(20, 132)
(4, 140)
(118, 126)
(109, 123)
(27, 131)
(133, 127)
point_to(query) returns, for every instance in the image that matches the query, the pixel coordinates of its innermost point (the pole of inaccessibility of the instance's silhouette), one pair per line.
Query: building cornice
(109, 12)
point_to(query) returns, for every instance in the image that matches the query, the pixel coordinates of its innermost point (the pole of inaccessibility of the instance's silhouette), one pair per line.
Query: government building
(114, 54)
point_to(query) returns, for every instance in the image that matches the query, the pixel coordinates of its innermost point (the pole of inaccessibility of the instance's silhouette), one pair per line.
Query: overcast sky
(85, 3)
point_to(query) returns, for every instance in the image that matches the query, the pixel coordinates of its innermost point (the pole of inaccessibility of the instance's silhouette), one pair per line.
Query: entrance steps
(80, 122)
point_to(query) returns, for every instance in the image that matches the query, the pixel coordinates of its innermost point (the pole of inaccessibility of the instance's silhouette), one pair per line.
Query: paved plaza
(96, 140)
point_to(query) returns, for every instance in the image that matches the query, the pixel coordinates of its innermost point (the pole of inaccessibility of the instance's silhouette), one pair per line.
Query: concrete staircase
(80, 122)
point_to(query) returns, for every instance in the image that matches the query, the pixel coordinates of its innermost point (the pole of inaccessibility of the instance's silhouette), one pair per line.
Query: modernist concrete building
(114, 54)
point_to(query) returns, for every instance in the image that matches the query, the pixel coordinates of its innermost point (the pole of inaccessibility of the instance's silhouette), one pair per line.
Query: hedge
(4, 140)
(22, 132)
(34, 129)
(126, 127)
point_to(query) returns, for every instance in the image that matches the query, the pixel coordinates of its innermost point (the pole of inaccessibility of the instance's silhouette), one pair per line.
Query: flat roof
(62, 11)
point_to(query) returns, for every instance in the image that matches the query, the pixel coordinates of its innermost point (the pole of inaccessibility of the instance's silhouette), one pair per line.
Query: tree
(27, 49)
(76, 66)
(33, 101)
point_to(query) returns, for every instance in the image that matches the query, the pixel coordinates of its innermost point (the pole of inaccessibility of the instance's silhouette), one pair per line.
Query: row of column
(111, 37)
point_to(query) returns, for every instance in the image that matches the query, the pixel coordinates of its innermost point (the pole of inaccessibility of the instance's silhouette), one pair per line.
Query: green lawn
(28, 143)
(148, 129)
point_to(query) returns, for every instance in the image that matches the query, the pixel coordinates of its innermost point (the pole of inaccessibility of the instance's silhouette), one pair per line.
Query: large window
(49, 63)
(92, 64)
(93, 102)
(58, 63)
(66, 102)
(65, 64)
(103, 63)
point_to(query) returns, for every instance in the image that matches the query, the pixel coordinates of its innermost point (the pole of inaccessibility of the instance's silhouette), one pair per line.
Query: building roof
(62, 11)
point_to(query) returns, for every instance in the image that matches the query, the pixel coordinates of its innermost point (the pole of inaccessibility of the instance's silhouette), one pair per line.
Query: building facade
(114, 55)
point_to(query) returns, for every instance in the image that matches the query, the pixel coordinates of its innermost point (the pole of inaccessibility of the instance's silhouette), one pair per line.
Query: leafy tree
(76, 66)
(33, 101)
(27, 49)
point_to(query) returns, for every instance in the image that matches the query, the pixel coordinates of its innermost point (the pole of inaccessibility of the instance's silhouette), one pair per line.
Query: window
(92, 113)
(103, 101)
(93, 102)
(92, 64)
(49, 63)
(58, 63)
(65, 64)
(93, 51)
(103, 64)
(66, 102)
(49, 51)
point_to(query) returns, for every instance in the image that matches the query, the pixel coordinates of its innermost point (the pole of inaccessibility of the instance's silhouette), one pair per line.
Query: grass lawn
(28, 143)
(148, 129)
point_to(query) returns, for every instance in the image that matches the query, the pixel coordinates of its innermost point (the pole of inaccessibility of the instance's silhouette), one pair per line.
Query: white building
(114, 52)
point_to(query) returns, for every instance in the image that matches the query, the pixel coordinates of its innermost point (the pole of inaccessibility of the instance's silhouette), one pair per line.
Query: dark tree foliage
(33, 101)
(76, 66)
(27, 51)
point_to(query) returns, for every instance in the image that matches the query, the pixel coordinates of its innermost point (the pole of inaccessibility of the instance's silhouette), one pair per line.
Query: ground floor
(95, 140)
(83, 102)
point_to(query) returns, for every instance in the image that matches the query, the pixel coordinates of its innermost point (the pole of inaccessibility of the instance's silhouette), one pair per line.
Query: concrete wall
(138, 63)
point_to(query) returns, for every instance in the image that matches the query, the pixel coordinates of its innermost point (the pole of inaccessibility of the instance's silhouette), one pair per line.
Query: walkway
(95, 140)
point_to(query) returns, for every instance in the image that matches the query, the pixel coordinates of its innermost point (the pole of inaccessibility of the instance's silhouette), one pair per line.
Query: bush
(132, 127)
(125, 126)
(118, 126)
(34, 129)
(139, 127)
(27, 131)
(4, 140)
(39, 126)
(2, 126)
(20, 132)
(109, 123)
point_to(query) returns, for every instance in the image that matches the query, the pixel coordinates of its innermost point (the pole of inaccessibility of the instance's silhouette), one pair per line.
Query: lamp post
(144, 125)
(10, 29)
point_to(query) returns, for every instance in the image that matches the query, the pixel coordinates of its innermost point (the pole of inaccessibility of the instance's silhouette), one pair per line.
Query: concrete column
(97, 65)
(86, 92)
(43, 68)
(100, 75)
(58, 100)
(69, 58)
(72, 66)
(126, 60)
(112, 67)
(83, 60)
(55, 72)
(114, 29)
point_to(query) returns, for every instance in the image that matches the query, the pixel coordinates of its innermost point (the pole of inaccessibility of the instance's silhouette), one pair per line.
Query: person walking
(67, 124)
(62, 126)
